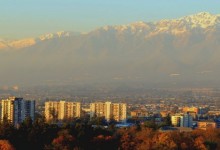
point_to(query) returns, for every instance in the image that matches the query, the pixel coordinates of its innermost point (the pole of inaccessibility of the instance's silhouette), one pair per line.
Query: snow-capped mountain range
(16, 44)
(201, 21)
(183, 50)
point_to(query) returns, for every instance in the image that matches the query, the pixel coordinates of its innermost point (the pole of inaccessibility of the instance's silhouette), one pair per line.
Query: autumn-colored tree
(64, 141)
(104, 142)
(163, 141)
(199, 143)
(40, 135)
(144, 139)
(183, 140)
(127, 142)
(211, 134)
(5, 145)
(126, 137)
(212, 140)
(184, 146)
(197, 133)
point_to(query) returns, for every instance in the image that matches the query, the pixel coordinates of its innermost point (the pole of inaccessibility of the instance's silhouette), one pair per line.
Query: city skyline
(22, 19)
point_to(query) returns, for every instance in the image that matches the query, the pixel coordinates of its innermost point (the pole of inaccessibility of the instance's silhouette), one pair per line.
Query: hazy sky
(28, 18)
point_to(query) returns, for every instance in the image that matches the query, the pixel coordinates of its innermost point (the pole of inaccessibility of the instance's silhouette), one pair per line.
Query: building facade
(109, 110)
(16, 110)
(182, 120)
(139, 113)
(62, 110)
(204, 125)
(190, 109)
(7, 109)
(193, 111)
(29, 109)
(177, 120)
(187, 120)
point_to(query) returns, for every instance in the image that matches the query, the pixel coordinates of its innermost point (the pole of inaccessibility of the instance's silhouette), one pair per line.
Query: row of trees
(149, 139)
(80, 135)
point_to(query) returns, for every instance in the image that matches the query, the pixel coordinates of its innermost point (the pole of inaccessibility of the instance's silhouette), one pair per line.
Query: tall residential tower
(16, 110)
(117, 111)
(62, 110)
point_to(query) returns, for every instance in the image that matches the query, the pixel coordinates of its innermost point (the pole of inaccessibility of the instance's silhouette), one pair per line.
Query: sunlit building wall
(7, 109)
(177, 120)
(204, 125)
(62, 110)
(109, 110)
(182, 120)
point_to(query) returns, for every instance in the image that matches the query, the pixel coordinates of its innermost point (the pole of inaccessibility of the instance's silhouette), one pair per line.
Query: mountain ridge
(175, 26)
(162, 52)
(22, 43)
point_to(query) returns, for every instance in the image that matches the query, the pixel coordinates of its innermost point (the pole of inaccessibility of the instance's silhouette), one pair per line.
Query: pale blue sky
(30, 18)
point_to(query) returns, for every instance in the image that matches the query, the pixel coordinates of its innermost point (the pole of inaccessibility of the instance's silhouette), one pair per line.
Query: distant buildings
(16, 110)
(109, 110)
(139, 113)
(214, 113)
(193, 111)
(204, 125)
(187, 120)
(29, 109)
(190, 109)
(203, 110)
(62, 110)
(164, 113)
(182, 120)
(177, 120)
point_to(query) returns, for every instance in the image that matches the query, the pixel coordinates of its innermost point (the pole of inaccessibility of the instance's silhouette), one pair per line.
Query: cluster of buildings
(62, 110)
(16, 110)
(185, 118)
(182, 117)
(182, 120)
(190, 117)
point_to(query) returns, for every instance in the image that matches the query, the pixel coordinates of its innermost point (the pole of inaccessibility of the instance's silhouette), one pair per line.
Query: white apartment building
(117, 111)
(62, 110)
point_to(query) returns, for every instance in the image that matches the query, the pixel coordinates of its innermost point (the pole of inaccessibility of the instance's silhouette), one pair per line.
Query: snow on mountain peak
(54, 35)
(203, 19)
(63, 34)
(174, 26)
(16, 44)
(132, 27)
